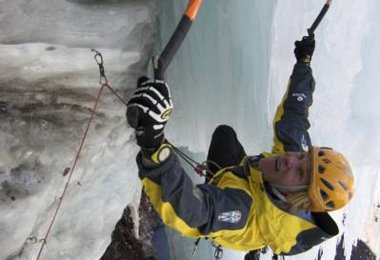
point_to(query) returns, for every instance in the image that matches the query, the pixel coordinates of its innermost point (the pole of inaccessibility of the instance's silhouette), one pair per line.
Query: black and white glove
(148, 110)
(304, 49)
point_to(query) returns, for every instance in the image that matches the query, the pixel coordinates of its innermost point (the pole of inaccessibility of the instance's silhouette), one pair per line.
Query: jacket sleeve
(200, 210)
(291, 122)
(327, 228)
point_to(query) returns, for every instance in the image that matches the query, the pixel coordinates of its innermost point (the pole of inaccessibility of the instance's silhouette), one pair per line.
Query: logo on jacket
(230, 216)
(300, 96)
(304, 145)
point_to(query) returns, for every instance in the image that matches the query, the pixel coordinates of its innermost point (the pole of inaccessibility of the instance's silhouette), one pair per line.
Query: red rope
(200, 169)
(75, 162)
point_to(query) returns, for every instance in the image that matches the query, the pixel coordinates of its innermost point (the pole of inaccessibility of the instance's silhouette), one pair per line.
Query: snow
(232, 69)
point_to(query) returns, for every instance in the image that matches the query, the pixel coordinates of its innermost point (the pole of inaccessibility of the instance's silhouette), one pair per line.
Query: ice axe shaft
(176, 39)
(166, 56)
(319, 18)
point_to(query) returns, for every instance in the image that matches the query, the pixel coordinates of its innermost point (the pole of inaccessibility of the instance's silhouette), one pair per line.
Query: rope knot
(200, 170)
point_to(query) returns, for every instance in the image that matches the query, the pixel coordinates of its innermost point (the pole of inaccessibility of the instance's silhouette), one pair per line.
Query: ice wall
(220, 75)
(48, 85)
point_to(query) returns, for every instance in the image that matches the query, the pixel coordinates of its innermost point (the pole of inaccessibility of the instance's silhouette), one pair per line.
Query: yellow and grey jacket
(236, 209)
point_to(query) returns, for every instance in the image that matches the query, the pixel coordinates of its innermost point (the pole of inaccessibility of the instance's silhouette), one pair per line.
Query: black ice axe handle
(163, 61)
(171, 48)
(319, 18)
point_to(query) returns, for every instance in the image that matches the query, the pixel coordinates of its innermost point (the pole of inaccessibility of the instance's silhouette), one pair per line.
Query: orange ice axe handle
(177, 38)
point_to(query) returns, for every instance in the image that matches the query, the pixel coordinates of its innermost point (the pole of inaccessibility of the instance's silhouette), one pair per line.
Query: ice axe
(171, 48)
(161, 63)
(319, 18)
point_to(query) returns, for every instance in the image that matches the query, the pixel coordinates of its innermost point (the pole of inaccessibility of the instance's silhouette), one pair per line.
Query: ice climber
(278, 199)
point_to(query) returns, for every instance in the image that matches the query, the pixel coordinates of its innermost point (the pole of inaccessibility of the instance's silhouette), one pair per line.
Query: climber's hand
(304, 49)
(148, 111)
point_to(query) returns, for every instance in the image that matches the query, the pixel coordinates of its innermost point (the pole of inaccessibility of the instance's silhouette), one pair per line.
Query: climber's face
(288, 169)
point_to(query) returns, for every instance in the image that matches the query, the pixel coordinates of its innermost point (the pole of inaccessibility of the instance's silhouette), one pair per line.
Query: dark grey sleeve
(291, 122)
(205, 207)
(327, 229)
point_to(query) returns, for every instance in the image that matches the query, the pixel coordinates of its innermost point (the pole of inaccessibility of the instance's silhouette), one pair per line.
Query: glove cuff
(305, 60)
(158, 155)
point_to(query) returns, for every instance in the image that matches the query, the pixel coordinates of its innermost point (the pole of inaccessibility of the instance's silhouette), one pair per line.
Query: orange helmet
(332, 182)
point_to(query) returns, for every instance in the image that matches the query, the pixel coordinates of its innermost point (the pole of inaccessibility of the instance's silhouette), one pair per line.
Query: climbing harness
(275, 257)
(195, 246)
(218, 253)
(218, 250)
